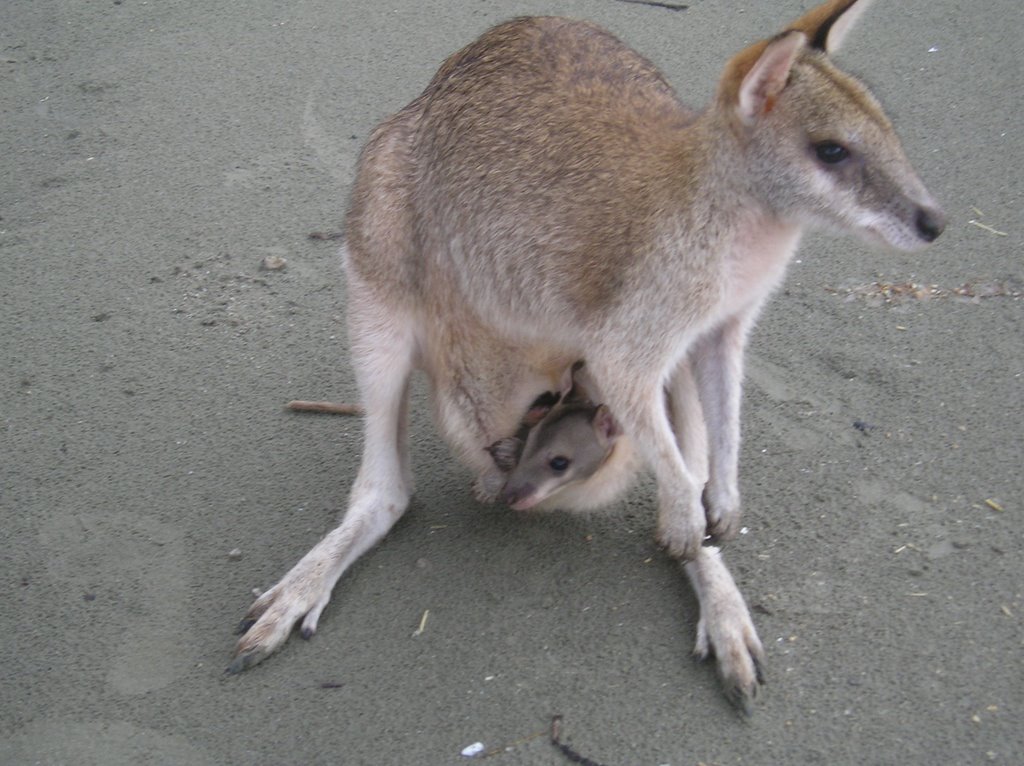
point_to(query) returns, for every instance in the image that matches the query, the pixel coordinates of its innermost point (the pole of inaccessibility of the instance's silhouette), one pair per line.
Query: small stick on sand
(331, 408)
(988, 228)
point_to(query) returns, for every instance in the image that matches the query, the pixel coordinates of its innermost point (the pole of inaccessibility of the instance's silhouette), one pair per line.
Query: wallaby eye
(558, 464)
(830, 152)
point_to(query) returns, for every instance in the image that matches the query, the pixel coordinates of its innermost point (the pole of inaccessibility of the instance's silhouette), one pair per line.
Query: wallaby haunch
(548, 198)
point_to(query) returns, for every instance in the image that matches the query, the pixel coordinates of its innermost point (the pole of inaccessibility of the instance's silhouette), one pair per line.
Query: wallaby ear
(827, 25)
(765, 80)
(506, 453)
(605, 427)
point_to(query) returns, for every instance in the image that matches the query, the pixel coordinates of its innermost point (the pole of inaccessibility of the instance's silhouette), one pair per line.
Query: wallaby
(564, 439)
(548, 198)
(568, 447)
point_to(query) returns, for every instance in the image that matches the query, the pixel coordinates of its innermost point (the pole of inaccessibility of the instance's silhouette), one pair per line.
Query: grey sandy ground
(154, 153)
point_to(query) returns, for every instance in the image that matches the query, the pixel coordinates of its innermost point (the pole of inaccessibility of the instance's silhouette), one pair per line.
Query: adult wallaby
(547, 199)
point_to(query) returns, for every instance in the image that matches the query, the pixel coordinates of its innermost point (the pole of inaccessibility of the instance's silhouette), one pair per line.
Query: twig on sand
(423, 623)
(658, 4)
(988, 228)
(568, 752)
(331, 408)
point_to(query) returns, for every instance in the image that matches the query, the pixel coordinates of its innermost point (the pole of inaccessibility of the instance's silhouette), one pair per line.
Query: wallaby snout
(930, 223)
(521, 497)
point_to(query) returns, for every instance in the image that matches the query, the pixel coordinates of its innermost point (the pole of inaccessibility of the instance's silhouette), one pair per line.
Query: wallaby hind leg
(725, 629)
(383, 346)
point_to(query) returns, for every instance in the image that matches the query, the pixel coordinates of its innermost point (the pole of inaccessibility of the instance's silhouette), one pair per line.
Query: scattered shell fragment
(273, 263)
(883, 293)
(235, 554)
(471, 751)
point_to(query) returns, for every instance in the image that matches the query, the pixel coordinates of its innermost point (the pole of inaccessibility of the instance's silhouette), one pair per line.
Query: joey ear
(827, 25)
(506, 453)
(768, 76)
(605, 427)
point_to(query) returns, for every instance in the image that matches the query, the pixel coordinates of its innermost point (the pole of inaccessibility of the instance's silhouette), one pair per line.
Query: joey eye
(558, 464)
(830, 152)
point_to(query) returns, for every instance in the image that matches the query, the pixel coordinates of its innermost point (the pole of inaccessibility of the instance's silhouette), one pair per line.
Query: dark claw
(717, 536)
(244, 625)
(759, 671)
(741, 700)
(745, 706)
(243, 662)
(307, 633)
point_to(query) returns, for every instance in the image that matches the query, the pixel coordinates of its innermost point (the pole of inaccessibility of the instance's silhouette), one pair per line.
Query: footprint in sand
(98, 743)
(139, 563)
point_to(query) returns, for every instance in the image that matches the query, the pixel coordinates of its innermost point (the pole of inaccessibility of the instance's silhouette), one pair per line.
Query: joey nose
(515, 496)
(930, 223)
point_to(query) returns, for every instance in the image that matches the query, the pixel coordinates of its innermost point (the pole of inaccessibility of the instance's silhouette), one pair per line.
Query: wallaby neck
(717, 182)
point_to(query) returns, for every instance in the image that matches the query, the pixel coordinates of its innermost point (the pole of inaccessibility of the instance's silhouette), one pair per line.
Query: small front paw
(681, 536)
(489, 485)
(722, 513)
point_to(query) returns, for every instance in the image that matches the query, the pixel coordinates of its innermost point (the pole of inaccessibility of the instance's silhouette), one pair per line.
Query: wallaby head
(816, 145)
(565, 442)
(568, 446)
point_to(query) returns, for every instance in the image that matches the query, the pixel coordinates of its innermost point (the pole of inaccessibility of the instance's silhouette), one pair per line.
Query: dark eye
(830, 152)
(558, 464)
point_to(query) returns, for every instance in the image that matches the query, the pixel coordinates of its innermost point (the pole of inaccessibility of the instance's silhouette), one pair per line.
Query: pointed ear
(767, 77)
(571, 383)
(827, 25)
(605, 427)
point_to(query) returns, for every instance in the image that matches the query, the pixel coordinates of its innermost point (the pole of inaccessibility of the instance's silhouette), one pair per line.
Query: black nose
(930, 224)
